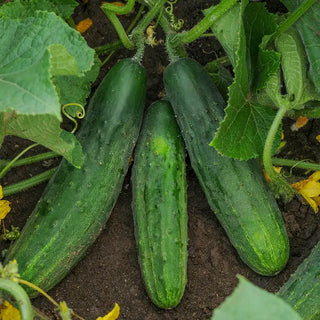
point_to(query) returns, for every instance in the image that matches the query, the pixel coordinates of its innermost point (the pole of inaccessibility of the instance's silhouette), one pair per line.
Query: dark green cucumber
(302, 290)
(160, 206)
(77, 202)
(236, 190)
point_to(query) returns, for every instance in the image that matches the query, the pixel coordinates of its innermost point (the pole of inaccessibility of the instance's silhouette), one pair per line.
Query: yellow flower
(310, 190)
(112, 315)
(4, 206)
(9, 312)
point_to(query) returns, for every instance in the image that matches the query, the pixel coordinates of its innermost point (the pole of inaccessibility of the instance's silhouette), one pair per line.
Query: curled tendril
(79, 114)
(176, 25)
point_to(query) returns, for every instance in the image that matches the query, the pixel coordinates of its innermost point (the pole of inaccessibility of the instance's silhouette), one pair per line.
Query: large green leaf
(77, 88)
(33, 51)
(227, 30)
(243, 131)
(309, 28)
(27, 8)
(249, 302)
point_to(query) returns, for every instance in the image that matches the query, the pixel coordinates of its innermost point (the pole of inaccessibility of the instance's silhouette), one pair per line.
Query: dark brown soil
(110, 272)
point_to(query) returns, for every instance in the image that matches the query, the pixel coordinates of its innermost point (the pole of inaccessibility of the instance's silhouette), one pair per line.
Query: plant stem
(281, 185)
(139, 42)
(109, 47)
(154, 10)
(120, 30)
(309, 112)
(11, 163)
(294, 16)
(34, 287)
(213, 15)
(28, 183)
(71, 22)
(20, 297)
(296, 164)
(30, 160)
(37, 313)
(223, 61)
(117, 9)
(118, 44)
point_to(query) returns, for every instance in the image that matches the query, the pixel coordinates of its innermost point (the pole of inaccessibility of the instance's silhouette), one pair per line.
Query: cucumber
(77, 203)
(236, 190)
(302, 290)
(160, 206)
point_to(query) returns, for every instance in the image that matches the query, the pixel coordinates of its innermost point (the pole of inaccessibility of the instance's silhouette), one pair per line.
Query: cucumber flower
(4, 206)
(9, 312)
(310, 190)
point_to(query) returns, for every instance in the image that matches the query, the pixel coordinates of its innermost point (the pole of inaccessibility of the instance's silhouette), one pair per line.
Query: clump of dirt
(110, 272)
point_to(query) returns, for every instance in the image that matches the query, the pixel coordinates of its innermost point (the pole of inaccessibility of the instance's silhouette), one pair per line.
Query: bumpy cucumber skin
(77, 203)
(160, 206)
(236, 190)
(302, 290)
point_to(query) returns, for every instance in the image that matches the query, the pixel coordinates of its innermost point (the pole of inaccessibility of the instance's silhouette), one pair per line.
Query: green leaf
(221, 77)
(309, 28)
(293, 64)
(226, 29)
(62, 63)
(250, 302)
(258, 22)
(244, 129)
(29, 101)
(76, 89)
(27, 8)
(268, 63)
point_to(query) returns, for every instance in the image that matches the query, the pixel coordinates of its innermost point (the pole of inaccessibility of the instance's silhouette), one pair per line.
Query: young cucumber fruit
(236, 190)
(302, 290)
(77, 202)
(160, 206)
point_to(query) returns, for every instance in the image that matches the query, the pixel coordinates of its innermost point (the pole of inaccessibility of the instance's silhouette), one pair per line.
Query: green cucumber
(236, 190)
(77, 203)
(160, 206)
(302, 290)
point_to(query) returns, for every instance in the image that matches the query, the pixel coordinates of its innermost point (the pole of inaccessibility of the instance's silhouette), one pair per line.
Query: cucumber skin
(77, 203)
(160, 206)
(302, 290)
(236, 190)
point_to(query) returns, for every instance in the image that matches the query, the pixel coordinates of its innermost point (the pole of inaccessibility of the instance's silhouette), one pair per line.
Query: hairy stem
(302, 164)
(294, 16)
(154, 10)
(281, 185)
(112, 47)
(117, 9)
(20, 296)
(213, 15)
(120, 30)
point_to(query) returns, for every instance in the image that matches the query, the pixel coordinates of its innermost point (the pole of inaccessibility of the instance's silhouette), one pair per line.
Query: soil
(110, 272)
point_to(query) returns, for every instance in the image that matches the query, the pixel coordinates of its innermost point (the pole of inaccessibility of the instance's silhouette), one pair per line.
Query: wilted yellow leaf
(84, 25)
(112, 315)
(300, 122)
